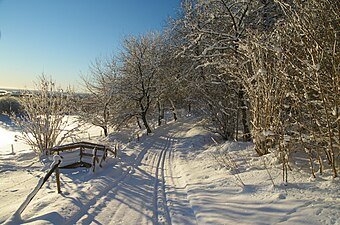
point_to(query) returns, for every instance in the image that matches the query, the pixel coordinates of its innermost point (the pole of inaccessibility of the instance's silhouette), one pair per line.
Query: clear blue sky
(62, 37)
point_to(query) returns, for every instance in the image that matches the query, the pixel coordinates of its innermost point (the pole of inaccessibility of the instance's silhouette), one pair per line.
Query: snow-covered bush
(43, 123)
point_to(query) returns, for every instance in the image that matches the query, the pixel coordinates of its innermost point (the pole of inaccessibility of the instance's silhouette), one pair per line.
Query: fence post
(103, 157)
(81, 153)
(12, 149)
(58, 179)
(94, 153)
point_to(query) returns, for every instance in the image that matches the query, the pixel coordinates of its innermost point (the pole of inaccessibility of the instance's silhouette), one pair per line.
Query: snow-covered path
(170, 177)
(139, 195)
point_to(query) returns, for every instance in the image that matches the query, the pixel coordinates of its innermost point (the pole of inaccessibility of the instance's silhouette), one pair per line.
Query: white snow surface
(169, 177)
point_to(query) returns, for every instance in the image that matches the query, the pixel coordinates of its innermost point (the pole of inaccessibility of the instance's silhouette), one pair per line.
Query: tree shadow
(52, 217)
(7, 123)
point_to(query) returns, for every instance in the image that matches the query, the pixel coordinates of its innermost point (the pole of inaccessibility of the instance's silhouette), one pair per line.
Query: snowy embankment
(171, 177)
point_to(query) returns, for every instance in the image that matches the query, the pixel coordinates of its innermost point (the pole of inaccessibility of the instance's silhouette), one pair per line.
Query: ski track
(180, 207)
(95, 207)
(91, 204)
(161, 211)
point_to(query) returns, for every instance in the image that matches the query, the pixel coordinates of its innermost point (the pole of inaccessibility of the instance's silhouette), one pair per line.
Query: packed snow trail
(161, 212)
(140, 194)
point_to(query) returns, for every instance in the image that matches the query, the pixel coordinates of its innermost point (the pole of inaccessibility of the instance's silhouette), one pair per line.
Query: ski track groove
(78, 216)
(166, 209)
(161, 211)
(150, 156)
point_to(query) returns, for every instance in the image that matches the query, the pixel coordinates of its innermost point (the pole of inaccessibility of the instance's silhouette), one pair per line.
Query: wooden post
(94, 153)
(116, 150)
(81, 153)
(58, 179)
(13, 150)
(103, 157)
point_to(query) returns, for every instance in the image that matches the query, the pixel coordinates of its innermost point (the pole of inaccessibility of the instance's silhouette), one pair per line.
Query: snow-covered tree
(140, 66)
(101, 86)
(173, 87)
(212, 31)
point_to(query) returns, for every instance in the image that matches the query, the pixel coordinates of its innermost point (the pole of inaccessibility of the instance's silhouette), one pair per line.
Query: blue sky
(60, 38)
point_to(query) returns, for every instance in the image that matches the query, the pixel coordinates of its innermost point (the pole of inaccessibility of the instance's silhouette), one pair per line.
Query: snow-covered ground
(169, 177)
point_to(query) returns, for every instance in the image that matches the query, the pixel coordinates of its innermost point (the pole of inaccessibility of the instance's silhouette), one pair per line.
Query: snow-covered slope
(171, 177)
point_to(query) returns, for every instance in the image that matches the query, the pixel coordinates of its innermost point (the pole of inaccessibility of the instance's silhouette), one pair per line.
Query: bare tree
(140, 67)
(101, 85)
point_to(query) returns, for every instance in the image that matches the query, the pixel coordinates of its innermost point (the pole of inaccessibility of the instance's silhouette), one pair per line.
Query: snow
(168, 177)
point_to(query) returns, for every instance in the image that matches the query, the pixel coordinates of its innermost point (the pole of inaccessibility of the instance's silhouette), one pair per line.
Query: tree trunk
(246, 130)
(160, 113)
(138, 123)
(145, 122)
(105, 129)
(173, 110)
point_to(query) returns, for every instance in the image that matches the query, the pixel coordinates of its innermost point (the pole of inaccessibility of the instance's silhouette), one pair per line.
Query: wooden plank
(36, 189)
(88, 154)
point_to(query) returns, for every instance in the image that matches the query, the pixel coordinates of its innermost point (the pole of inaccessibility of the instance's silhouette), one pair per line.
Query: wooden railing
(81, 150)
(16, 217)
(82, 154)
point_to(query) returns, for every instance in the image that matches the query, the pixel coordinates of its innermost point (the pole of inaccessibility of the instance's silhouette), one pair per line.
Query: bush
(10, 105)
(43, 124)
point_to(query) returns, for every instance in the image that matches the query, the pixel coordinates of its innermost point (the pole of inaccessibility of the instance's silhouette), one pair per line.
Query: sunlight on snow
(6, 138)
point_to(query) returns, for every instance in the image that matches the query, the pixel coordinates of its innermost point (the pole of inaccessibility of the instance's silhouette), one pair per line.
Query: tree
(140, 67)
(43, 123)
(172, 86)
(212, 31)
(98, 106)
